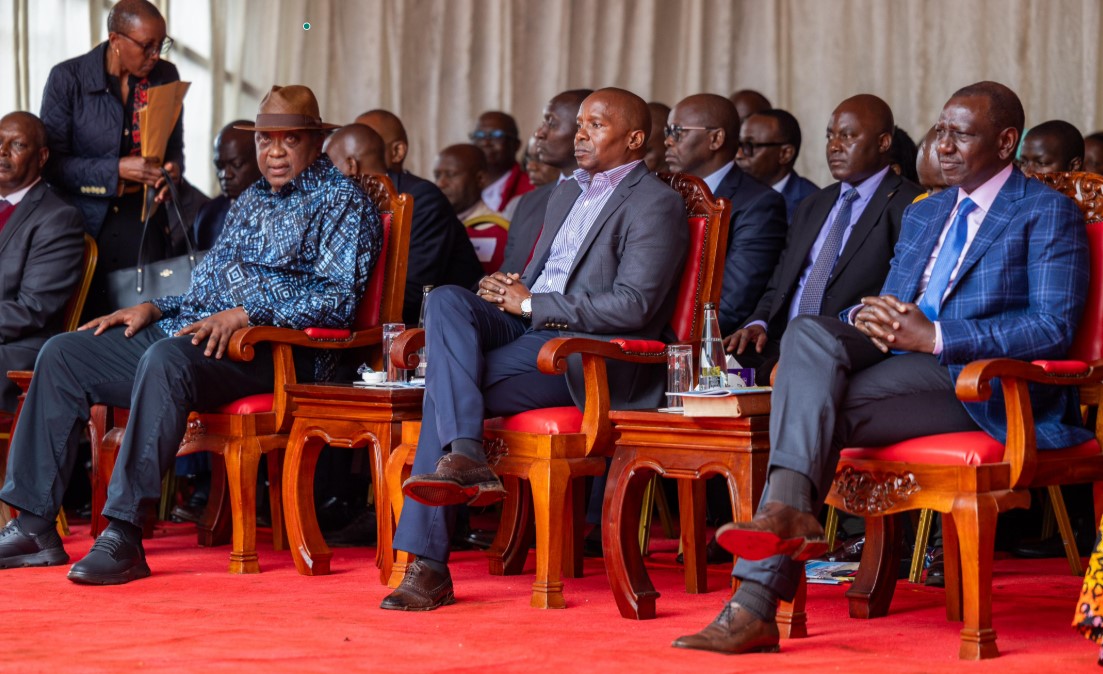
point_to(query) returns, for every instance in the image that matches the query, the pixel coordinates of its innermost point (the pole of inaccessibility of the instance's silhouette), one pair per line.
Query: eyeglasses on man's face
(676, 131)
(748, 147)
(163, 47)
(493, 134)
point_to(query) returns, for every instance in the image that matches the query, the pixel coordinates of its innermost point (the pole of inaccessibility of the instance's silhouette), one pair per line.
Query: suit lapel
(730, 184)
(995, 222)
(22, 211)
(797, 252)
(615, 200)
(869, 218)
(932, 229)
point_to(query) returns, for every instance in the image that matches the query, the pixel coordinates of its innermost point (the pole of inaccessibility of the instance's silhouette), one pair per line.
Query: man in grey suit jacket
(41, 244)
(606, 265)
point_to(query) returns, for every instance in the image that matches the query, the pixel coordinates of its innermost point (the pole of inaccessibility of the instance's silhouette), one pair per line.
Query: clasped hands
(505, 290)
(216, 328)
(896, 325)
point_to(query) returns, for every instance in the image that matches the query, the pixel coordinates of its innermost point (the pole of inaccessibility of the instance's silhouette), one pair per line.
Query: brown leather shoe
(736, 630)
(776, 529)
(457, 480)
(422, 589)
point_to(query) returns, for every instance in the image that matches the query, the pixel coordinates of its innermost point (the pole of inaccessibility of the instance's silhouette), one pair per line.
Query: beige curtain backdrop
(438, 63)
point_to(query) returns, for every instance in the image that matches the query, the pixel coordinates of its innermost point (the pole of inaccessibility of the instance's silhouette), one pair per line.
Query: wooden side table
(348, 416)
(687, 449)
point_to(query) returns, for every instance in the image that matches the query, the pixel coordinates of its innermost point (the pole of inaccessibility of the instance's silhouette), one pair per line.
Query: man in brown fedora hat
(296, 251)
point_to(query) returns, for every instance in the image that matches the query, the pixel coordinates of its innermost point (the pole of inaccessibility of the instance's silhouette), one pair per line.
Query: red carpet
(193, 616)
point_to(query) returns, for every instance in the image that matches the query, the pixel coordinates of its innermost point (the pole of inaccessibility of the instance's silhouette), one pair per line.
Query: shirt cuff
(761, 324)
(937, 338)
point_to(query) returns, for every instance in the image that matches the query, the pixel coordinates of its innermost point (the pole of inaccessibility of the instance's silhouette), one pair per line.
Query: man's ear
(1076, 164)
(481, 179)
(716, 139)
(636, 139)
(884, 142)
(397, 153)
(43, 155)
(354, 166)
(786, 155)
(1008, 142)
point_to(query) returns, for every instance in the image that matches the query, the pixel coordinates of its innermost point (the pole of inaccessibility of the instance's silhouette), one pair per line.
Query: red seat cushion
(970, 448)
(254, 404)
(546, 421)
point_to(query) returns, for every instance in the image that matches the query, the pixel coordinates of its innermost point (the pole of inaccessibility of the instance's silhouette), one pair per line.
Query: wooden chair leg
(792, 619)
(516, 530)
(975, 518)
(922, 535)
(628, 578)
(1065, 527)
(308, 548)
(873, 587)
(398, 468)
(549, 489)
(573, 556)
(242, 464)
(274, 463)
(951, 561)
(691, 505)
(215, 526)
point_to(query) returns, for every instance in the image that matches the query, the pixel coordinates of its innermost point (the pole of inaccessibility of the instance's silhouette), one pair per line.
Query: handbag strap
(150, 205)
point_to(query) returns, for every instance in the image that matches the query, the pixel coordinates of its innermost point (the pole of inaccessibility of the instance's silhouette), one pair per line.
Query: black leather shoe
(457, 480)
(591, 544)
(360, 532)
(936, 572)
(714, 554)
(111, 561)
(736, 630)
(849, 551)
(481, 539)
(776, 529)
(19, 548)
(422, 589)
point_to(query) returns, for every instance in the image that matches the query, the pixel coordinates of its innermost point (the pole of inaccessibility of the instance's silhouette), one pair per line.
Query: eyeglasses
(675, 131)
(749, 147)
(164, 47)
(496, 134)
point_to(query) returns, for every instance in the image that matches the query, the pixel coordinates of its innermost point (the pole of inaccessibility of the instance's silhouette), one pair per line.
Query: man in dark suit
(606, 265)
(858, 141)
(769, 144)
(995, 267)
(41, 244)
(235, 164)
(554, 147)
(702, 133)
(440, 252)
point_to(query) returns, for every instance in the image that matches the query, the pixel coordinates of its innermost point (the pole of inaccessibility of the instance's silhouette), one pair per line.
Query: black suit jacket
(797, 190)
(41, 248)
(755, 240)
(862, 264)
(440, 252)
(524, 228)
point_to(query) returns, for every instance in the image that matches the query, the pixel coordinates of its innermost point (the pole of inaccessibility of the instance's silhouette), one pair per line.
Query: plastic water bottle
(421, 361)
(713, 362)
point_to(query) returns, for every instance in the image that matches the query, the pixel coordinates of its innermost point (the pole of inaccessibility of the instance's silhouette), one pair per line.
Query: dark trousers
(159, 378)
(481, 363)
(834, 389)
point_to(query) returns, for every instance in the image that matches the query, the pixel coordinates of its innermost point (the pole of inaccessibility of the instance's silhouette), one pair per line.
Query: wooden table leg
(628, 578)
(308, 548)
(691, 505)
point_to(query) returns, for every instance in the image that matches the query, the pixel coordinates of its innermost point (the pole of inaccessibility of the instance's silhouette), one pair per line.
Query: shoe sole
(447, 600)
(40, 558)
(450, 493)
(755, 545)
(769, 648)
(133, 573)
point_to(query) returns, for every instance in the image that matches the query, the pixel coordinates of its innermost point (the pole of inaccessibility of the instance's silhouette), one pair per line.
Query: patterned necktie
(6, 209)
(812, 296)
(947, 260)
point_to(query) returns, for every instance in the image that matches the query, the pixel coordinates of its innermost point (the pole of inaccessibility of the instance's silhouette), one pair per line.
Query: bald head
(704, 134)
(613, 126)
(747, 102)
(390, 129)
(859, 138)
(126, 13)
(1052, 146)
(357, 149)
(926, 163)
(460, 172)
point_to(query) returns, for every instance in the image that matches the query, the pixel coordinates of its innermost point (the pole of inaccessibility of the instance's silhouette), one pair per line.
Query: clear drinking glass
(390, 331)
(679, 371)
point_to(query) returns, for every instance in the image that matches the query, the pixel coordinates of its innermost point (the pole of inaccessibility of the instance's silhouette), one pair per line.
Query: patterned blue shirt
(297, 258)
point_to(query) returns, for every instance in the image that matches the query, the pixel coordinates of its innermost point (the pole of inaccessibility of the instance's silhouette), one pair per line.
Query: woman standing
(90, 108)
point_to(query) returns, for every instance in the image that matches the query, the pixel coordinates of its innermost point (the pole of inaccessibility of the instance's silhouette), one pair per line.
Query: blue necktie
(947, 260)
(812, 296)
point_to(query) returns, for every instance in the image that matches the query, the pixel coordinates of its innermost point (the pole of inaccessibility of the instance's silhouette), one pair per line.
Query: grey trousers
(834, 389)
(159, 378)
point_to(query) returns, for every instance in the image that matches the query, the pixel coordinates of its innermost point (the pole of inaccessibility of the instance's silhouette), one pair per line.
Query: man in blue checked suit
(997, 267)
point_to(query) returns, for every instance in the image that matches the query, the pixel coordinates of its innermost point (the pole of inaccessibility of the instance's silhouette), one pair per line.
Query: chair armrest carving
(404, 348)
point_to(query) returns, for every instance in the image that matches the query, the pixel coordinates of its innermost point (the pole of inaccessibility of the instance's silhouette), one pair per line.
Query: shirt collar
(15, 197)
(779, 186)
(984, 195)
(613, 175)
(868, 186)
(716, 177)
(310, 178)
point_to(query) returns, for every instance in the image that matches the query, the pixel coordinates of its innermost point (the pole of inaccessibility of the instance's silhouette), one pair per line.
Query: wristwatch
(526, 308)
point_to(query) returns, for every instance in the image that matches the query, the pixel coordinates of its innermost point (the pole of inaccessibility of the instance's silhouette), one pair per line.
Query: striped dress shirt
(596, 191)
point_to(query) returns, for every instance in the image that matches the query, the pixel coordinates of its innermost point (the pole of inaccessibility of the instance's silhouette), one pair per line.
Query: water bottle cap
(710, 305)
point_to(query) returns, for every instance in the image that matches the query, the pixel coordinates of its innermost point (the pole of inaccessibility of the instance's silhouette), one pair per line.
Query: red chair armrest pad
(327, 334)
(640, 345)
(1059, 367)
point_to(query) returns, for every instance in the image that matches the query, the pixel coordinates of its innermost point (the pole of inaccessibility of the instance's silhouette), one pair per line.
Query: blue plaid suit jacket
(1018, 294)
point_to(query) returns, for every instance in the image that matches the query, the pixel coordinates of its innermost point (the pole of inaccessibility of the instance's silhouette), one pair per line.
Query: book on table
(727, 402)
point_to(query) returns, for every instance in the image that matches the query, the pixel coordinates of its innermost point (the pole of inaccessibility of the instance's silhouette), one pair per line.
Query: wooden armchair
(488, 233)
(247, 428)
(970, 477)
(551, 449)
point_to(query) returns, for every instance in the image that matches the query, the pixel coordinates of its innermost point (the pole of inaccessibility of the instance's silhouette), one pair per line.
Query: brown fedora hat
(288, 108)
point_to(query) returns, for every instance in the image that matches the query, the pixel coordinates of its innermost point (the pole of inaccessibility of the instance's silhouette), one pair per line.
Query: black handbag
(149, 280)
